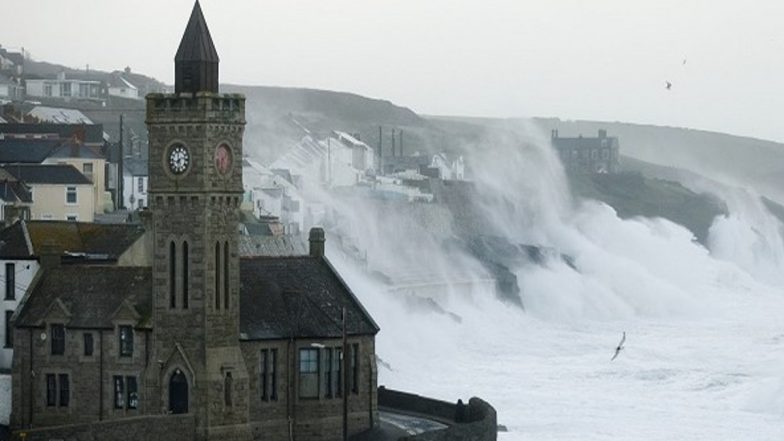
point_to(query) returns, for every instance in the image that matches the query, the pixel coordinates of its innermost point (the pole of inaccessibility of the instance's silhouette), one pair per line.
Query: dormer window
(126, 341)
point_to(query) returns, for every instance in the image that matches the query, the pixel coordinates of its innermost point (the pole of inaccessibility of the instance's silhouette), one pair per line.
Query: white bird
(620, 347)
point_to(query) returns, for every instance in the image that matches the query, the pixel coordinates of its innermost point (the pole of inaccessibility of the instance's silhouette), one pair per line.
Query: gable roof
(297, 297)
(58, 174)
(12, 191)
(26, 151)
(196, 43)
(91, 293)
(108, 241)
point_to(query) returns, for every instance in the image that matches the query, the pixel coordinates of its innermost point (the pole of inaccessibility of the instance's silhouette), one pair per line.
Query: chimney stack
(602, 133)
(49, 256)
(316, 239)
(554, 133)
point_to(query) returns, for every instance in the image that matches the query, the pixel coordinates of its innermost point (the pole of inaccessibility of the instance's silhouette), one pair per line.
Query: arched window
(217, 276)
(185, 275)
(178, 393)
(172, 275)
(226, 276)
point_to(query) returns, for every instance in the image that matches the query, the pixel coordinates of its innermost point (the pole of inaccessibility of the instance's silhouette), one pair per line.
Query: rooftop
(57, 174)
(27, 238)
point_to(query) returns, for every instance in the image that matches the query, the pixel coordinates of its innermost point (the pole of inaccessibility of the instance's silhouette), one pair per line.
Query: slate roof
(135, 167)
(59, 116)
(106, 240)
(13, 242)
(254, 246)
(89, 133)
(71, 149)
(26, 151)
(46, 174)
(196, 43)
(92, 295)
(297, 297)
(13, 191)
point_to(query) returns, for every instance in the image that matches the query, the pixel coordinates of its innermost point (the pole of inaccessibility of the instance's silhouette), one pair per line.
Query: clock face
(179, 159)
(223, 159)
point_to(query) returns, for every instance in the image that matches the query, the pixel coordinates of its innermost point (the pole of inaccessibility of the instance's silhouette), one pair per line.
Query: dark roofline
(351, 294)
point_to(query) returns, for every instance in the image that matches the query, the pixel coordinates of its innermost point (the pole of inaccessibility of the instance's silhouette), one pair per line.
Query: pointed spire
(196, 62)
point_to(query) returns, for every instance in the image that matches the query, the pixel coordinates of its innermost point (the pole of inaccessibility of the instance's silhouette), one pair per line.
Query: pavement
(393, 426)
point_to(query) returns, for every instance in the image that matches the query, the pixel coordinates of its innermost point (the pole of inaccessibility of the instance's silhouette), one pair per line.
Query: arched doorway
(178, 392)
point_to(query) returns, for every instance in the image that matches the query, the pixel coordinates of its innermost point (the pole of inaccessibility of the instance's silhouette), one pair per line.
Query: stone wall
(475, 421)
(146, 428)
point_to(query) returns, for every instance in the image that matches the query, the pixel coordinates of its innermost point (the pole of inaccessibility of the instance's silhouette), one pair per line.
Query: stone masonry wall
(145, 428)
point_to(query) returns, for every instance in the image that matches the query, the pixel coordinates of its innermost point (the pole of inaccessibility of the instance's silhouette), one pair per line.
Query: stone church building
(194, 342)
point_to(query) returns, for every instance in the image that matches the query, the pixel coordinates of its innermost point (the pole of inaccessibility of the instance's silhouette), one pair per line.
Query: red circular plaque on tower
(223, 159)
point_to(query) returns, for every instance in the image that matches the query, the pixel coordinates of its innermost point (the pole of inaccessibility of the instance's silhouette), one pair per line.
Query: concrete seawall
(475, 421)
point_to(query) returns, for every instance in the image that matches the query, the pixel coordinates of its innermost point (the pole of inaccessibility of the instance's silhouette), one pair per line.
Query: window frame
(51, 390)
(131, 393)
(57, 345)
(10, 281)
(118, 387)
(308, 369)
(125, 340)
(64, 389)
(88, 350)
(71, 190)
(355, 369)
(9, 330)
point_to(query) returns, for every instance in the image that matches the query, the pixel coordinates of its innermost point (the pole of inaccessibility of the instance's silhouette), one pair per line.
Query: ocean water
(704, 355)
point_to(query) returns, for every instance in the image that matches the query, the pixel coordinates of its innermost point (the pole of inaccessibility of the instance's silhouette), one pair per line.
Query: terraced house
(194, 342)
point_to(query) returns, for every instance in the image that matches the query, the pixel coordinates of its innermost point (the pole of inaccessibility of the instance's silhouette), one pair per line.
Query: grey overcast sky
(598, 59)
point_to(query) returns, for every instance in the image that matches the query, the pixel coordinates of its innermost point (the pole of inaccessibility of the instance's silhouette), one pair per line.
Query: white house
(135, 181)
(17, 268)
(119, 86)
(270, 193)
(62, 87)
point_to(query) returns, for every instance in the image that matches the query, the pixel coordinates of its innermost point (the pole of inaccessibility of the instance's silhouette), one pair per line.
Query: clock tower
(195, 184)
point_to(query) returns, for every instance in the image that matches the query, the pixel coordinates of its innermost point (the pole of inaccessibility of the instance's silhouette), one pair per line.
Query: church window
(217, 276)
(65, 390)
(185, 275)
(58, 339)
(88, 344)
(132, 397)
(227, 386)
(119, 392)
(273, 375)
(355, 368)
(308, 373)
(51, 390)
(126, 341)
(263, 379)
(10, 281)
(328, 373)
(338, 364)
(172, 275)
(9, 330)
(226, 276)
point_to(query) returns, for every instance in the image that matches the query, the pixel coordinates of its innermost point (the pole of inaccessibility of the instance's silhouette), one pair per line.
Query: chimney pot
(316, 239)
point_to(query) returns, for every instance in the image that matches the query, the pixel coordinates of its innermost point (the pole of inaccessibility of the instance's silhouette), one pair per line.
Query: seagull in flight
(669, 85)
(620, 347)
